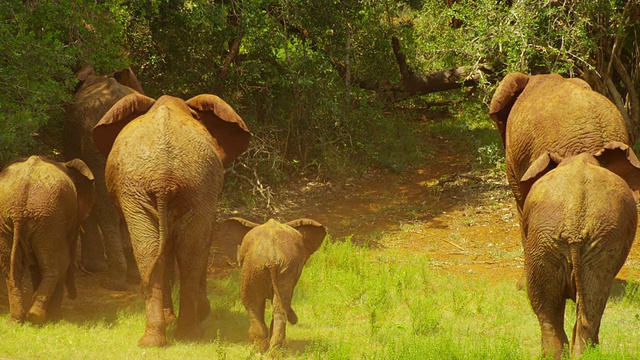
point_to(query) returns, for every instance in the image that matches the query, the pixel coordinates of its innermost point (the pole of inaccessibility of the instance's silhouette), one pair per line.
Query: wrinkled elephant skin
(579, 222)
(271, 256)
(102, 230)
(42, 203)
(548, 113)
(164, 172)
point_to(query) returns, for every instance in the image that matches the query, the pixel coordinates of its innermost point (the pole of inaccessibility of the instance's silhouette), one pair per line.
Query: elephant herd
(143, 182)
(143, 177)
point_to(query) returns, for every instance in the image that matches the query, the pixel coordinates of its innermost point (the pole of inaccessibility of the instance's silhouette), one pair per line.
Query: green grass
(353, 303)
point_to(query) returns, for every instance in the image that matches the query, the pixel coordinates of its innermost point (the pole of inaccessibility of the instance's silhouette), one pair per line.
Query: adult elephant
(579, 222)
(164, 172)
(102, 230)
(42, 203)
(548, 113)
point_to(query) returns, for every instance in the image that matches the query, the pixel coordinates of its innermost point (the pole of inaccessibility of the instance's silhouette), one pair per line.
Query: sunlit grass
(353, 303)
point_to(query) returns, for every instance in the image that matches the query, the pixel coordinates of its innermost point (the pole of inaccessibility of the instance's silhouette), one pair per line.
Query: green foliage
(296, 76)
(42, 44)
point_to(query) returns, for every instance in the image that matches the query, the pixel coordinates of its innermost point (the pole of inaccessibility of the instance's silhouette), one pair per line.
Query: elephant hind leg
(589, 310)
(546, 288)
(53, 267)
(145, 238)
(258, 331)
(282, 310)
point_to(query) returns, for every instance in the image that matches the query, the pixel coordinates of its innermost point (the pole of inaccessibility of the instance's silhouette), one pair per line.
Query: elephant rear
(579, 222)
(40, 210)
(165, 170)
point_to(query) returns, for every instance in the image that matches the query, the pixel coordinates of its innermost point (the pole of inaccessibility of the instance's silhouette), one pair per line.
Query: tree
(43, 43)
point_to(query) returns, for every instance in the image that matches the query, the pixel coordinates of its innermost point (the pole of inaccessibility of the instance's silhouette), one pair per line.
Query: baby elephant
(271, 256)
(42, 203)
(579, 221)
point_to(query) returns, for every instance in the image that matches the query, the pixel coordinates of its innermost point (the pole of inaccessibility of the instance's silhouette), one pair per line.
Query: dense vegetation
(312, 78)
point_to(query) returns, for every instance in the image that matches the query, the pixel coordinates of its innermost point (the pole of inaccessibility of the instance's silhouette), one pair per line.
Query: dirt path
(464, 221)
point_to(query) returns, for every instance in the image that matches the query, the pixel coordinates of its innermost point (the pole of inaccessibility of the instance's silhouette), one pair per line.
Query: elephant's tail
(70, 278)
(15, 262)
(163, 235)
(574, 250)
(291, 315)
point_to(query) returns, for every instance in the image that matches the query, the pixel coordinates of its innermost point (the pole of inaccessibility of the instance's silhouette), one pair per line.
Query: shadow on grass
(226, 326)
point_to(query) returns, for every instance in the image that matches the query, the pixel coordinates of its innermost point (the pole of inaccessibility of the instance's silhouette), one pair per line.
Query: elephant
(102, 230)
(164, 172)
(271, 257)
(548, 113)
(579, 222)
(42, 203)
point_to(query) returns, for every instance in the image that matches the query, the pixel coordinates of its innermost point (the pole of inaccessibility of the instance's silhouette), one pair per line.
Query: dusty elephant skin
(271, 256)
(42, 203)
(164, 172)
(579, 222)
(548, 113)
(94, 97)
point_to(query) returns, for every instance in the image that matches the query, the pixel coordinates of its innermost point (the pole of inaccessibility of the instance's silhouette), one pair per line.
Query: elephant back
(166, 151)
(91, 102)
(555, 115)
(39, 188)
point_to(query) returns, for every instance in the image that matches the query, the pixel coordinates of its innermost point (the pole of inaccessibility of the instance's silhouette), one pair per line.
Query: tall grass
(353, 303)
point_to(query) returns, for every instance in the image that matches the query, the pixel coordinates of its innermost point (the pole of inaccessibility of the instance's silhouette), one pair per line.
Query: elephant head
(271, 256)
(230, 134)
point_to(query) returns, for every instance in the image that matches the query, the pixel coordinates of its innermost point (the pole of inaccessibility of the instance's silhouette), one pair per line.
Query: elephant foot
(204, 308)
(152, 340)
(114, 284)
(193, 332)
(16, 319)
(169, 316)
(37, 316)
(262, 345)
(94, 266)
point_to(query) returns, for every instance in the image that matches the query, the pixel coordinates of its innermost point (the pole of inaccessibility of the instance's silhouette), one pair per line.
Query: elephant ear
(620, 159)
(229, 131)
(120, 114)
(126, 77)
(542, 165)
(231, 233)
(83, 179)
(503, 99)
(313, 233)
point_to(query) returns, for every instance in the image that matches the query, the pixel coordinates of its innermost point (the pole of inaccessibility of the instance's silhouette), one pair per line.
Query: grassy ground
(432, 277)
(353, 303)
